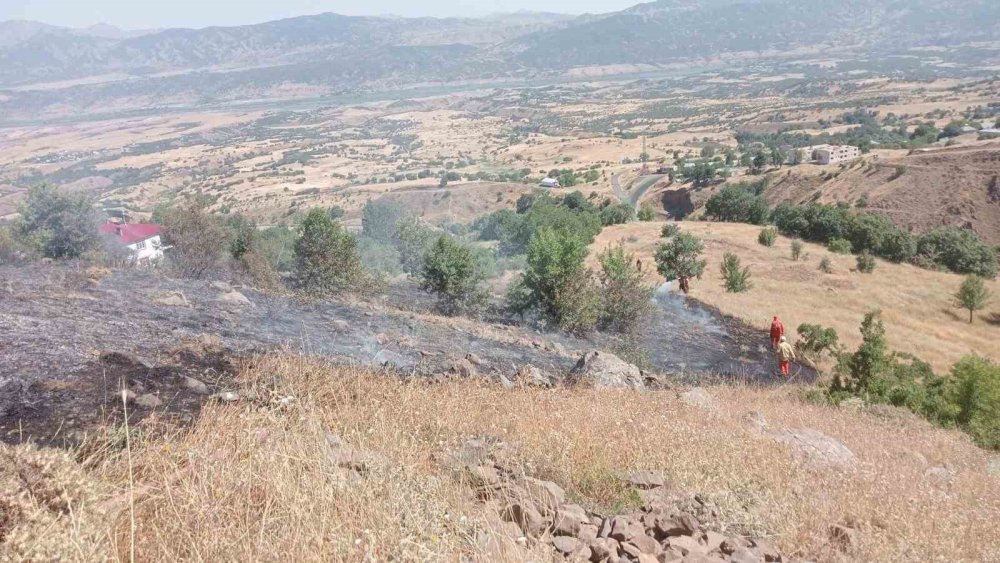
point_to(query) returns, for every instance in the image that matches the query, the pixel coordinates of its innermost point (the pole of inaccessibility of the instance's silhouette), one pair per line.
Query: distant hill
(330, 53)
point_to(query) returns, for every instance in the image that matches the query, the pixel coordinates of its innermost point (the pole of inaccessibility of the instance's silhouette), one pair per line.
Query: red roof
(133, 232)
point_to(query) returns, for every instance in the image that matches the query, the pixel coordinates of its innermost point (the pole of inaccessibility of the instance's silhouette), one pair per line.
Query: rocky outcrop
(603, 370)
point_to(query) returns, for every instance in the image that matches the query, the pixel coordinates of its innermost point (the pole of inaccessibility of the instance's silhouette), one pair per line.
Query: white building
(549, 183)
(832, 154)
(142, 239)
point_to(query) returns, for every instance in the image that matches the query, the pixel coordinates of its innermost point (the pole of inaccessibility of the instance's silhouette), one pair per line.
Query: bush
(735, 278)
(379, 256)
(680, 259)
(816, 341)
(839, 246)
(646, 212)
(866, 263)
(327, 256)
(12, 247)
(768, 236)
(737, 204)
(669, 230)
(959, 250)
(975, 394)
(497, 225)
(617, 214)
(59, 224)
(858, 370)
(413, 238)
(555, 282)
(796, 250)
(453, 273)
(626, 300)
(583, 225)
(197, 239)
(972, 295)
(379, 218)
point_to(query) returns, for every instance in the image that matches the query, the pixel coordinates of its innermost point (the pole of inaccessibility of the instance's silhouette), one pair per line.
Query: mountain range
(329, 53)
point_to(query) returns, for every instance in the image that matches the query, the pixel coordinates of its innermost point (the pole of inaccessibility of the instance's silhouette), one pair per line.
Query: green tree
(759, 162)
(972, 295)
(870, 361)
(866, 262)
(680, 259)
(327, 257)
(815, 341)
(669, 230)
(58, 223)
(556, 283)
(413, 238)
(379, 218)
(975, 392)
(767, 237)
(735, 278)
(626, 299)
(646, 212)
(452, 272)
(617, 214)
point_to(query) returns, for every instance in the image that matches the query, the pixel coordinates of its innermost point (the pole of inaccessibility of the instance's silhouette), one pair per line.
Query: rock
(548, 495)
(604, 529)
(195, 385)
(603, 548)
(525, 514)
(670, 555)
(744, 555)
(817, 447)
(602, 370)
(855, 403)
(128, 396)
(341, 325)
(993, 467)
(343, 455)
(701, 558)
(766, 550)
(587, 533)
(170, 299)
(221, 286)
(681, 525)
(148, 401)
(698, 398)
(388, 359)
(227, 397)
(476, 360)
(843, 537)
(234, 298)
(559, 349)
(646, 544)
(566, 544)
(531, 375)
(712, 540)
(647, 558)
(464, 368)
(645, 480)
(624, 529)
(688, 545)
(569, 519)
(733, 544)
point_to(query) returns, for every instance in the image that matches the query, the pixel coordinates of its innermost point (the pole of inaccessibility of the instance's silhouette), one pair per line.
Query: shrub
(975, 393)
(796, 250)
(669, 230)
(959, 250)
(583, 225)
(12, 247)
(858, 370)
(555, 271)
(617, 214)
(379, 256)
(198, 241)
(413, 238)
(768, 236)
(735, 278)
(625, 299)
(327, 256)
(866, 263)
(680, 259)
(59, 224)
(452, 272)
(839, 246)
(972, 295)
(646, 212)
(737, 204)
(825, 265)
(379, 218)
(497, 225)
(816, 341)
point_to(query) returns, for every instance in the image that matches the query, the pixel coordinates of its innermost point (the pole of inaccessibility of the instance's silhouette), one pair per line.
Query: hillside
(916, 304)
(952, 186)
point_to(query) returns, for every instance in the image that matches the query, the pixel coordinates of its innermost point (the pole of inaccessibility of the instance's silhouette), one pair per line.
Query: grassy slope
(916, 304)
(256, 483)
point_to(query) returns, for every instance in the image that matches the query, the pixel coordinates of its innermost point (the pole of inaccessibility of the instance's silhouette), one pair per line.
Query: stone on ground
(602, 370)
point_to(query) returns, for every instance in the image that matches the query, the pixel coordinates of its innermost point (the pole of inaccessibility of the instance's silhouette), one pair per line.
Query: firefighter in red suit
(777, 331)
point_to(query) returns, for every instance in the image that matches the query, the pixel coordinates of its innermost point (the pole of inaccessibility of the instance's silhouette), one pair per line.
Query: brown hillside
(920, 191)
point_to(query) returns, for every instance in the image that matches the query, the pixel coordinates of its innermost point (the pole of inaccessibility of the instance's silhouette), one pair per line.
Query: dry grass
(916, 304)
(257, 482)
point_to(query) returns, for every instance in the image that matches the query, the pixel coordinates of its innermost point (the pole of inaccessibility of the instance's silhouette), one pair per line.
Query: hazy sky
(199, 13)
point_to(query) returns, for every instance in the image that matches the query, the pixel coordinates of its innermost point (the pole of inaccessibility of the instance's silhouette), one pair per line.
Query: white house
(549, 183)
(142, 239)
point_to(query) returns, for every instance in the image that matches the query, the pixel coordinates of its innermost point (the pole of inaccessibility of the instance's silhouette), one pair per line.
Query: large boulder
(817, 447)
(602, 370)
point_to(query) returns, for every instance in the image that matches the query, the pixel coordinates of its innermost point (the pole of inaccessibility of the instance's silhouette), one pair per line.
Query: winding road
(640, 187)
